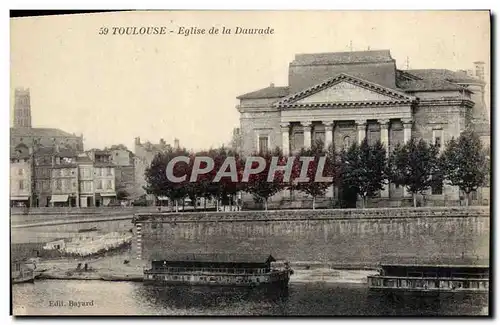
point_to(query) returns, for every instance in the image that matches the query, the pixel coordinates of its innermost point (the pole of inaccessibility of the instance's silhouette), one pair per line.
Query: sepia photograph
(250, 163)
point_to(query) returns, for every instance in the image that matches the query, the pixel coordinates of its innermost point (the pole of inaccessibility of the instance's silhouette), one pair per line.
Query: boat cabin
(422, 277)
(213, 263)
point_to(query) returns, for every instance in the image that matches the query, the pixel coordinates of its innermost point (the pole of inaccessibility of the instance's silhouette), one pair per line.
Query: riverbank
(123, 268)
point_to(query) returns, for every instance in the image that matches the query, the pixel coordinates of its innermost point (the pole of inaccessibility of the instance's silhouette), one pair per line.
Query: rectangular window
(58, 184)
(21, 185)
(298, 140)
(110, 171)
(109, 184)
(319, 136)
(21, 172)
(473, 195)
(263, 144)
(99, 184)
(67, 184)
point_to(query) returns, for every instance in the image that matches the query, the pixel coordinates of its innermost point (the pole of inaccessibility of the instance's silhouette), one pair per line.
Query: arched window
(347, 142)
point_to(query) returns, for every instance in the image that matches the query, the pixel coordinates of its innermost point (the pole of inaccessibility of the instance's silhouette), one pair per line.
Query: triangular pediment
(344, 90)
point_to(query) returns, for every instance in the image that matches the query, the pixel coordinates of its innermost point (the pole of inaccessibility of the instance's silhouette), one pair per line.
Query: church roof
(40, 132)
(343, 57)
(443, 74)
(430, 85)
(268, 92)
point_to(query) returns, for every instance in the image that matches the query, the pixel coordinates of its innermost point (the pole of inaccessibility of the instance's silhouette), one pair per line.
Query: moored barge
(431, 279)
(217, 270)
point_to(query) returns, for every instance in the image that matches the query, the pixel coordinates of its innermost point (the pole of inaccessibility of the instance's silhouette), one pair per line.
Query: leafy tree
(226, 188)
(415, 165)
(117, 147)
(312, 187)
(156, 177)
(465, 163)
(363, 169)
(258, 185)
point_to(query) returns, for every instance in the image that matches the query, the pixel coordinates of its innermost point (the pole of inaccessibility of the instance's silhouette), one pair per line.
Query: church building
(345, 97)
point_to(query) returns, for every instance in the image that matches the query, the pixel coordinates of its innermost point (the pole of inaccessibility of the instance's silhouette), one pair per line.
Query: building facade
(20, 179)
(144, 154)
(104, 177)
(123, 160)
(345, 97)
(65, 191)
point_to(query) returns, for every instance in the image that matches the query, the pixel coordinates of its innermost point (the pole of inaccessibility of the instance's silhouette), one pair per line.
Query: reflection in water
(126, 298)
(210, 297)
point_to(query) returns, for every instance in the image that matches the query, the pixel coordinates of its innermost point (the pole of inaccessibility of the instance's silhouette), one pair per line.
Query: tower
(479, 66)
(22, 108)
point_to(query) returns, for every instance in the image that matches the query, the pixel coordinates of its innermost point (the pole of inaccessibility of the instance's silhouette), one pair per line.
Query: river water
(313, 299)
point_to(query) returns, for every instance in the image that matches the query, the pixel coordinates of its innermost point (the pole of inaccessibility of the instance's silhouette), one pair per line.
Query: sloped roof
(216, 258)
(430, 85)
(40, 132)
(343, 57)
(268, 92)
(443, 74)
(14, 154)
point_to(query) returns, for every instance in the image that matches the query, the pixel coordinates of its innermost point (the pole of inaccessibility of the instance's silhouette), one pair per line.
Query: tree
(363, 169)
(414, 165)
(117, 147)
(258, 185)
(465, 163)
(156, 177)
(313, 187)
(122, 194)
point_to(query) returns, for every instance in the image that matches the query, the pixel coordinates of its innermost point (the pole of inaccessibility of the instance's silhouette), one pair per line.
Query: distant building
(104, 177)
(236, 140)
(144, 155)
(65, 190)
(124, 162)
(22, 134)
(20, 178)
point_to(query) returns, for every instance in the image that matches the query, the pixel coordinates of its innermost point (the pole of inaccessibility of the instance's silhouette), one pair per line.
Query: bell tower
(22, 108)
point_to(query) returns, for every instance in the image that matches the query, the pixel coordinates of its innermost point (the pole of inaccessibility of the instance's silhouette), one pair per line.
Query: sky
(113, 88)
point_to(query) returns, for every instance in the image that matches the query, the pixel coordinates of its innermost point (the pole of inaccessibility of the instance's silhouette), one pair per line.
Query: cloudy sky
(113, 88)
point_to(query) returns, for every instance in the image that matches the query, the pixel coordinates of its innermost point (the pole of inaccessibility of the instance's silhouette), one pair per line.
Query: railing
(326, 214)
(428, 283)
(203, 270)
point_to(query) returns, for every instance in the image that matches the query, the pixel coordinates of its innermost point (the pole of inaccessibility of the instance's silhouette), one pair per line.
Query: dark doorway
(347, 197)
(89, 201)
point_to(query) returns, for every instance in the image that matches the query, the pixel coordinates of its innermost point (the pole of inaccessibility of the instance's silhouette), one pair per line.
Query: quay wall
(357, 236)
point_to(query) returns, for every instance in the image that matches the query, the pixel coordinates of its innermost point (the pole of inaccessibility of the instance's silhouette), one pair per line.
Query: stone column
(307, 134)
(361, 126)
(384, 139)
(285, 136)
(407, 125)
(328, 133)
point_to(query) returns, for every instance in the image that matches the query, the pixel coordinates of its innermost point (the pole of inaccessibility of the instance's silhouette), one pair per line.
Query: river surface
(313, 299)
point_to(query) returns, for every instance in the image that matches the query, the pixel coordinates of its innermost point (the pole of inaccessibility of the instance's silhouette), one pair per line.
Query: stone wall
(335, 236)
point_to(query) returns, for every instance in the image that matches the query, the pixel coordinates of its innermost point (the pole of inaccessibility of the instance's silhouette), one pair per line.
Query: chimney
(271, 85)
(138, 141)
(162, 142)
(176, 144)
(479, 67)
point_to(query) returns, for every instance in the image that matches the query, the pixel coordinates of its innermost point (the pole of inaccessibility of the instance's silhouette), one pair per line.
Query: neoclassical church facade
(346, 97)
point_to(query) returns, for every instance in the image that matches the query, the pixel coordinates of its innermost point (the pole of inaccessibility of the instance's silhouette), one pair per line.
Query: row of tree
(361, 171)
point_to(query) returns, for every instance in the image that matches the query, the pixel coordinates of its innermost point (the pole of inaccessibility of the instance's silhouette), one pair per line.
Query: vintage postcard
(263, 163)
